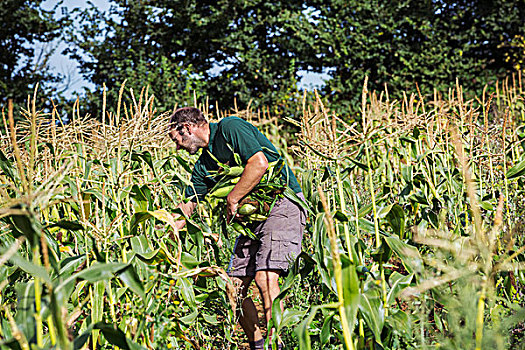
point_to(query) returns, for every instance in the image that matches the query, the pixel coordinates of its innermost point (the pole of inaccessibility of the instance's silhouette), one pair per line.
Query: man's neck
(204, 131)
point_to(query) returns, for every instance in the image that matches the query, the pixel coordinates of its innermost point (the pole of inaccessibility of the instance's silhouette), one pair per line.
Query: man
(280, 235)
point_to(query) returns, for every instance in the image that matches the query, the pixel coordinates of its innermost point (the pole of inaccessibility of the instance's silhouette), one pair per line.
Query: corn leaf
(31, 268)
(396, 220)
(408, 254)
(373, 312)
(67, 225)
(351, 295)
(7, 168)
(398, 282)
(129, 276)
(25, 295)
(516, 171)
(113, 335)
(302, 330)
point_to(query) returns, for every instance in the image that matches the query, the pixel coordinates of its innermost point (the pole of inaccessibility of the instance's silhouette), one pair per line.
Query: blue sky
(62, 64)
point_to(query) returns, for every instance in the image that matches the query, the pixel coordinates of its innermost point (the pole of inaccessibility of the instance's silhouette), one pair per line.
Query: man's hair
(186, 115)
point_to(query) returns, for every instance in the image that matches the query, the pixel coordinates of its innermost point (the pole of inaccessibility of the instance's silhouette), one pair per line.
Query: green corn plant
(391, 256)
(111, 215)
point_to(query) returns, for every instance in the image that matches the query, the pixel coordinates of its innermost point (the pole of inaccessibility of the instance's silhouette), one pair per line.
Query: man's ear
(191, 128)
(185, 129)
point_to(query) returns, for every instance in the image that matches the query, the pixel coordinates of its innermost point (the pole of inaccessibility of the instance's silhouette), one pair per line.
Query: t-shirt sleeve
(241, 136)
(198, 189)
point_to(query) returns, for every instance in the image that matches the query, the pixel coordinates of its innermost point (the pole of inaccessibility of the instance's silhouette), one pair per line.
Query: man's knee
(267, 279)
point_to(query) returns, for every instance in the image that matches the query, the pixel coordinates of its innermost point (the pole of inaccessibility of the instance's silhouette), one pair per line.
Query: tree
(403, 43)
(253, 50)
(24, 25)
(224, 49)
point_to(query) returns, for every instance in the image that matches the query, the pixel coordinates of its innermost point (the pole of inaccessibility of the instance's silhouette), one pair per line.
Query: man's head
(189, 129)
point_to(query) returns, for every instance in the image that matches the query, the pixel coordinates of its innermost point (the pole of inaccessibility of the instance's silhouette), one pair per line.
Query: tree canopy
(429, 43)
(223, 49)
(255, 50)
(24, 25)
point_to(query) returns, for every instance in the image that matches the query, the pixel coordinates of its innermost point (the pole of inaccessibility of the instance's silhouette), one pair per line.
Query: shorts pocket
(285, 245)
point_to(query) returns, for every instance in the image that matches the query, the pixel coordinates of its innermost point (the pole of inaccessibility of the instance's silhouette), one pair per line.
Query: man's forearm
(251, 176)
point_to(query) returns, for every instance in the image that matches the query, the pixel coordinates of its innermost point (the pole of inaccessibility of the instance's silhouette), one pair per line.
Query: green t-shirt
(232, 133)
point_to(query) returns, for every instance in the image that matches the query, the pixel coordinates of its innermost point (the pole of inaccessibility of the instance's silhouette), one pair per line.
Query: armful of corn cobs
(254, 207)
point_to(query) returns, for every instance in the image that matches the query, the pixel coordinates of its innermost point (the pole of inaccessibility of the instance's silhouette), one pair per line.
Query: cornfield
(414, 236)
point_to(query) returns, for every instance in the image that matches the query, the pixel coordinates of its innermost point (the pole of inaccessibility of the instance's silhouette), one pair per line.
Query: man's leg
(248, 316)
(268, 283)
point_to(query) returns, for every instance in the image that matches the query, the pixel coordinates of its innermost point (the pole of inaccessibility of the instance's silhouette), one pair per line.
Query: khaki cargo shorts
(280, 241)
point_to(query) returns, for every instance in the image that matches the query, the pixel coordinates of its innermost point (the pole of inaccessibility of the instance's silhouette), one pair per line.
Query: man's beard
(194, 144)
(194, 149)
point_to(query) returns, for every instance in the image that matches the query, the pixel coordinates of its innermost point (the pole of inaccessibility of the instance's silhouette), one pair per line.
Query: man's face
(184, 139)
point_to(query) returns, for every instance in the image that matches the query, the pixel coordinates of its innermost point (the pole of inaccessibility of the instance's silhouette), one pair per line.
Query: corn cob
(247, 209)
(257, 217)
(233, 171)
(256, 206)
(222, 192)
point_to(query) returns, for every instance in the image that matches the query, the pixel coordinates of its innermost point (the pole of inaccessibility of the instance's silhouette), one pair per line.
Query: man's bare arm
(251, 176)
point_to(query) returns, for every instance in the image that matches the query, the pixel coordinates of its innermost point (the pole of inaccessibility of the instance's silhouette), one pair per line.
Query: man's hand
(187, 209)
(232, 206)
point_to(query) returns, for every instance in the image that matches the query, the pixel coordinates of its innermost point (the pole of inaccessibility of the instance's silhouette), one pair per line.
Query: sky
(62, 64)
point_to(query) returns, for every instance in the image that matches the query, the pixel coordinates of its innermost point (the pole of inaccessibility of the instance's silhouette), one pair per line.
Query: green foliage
(219, 49)
(241, 53)
(254, 50)
(22, 66)
(409, 243)
(130, 283)
(403, 43)
(416, 213)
